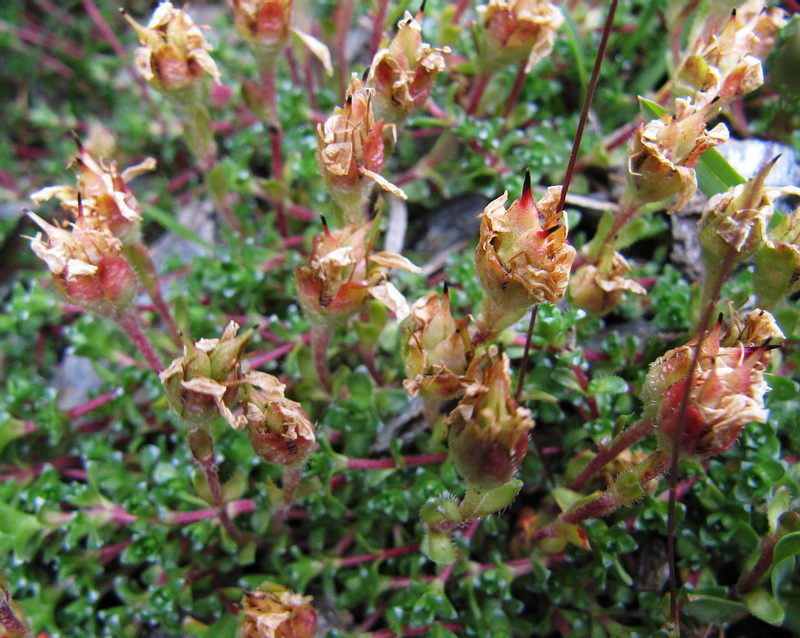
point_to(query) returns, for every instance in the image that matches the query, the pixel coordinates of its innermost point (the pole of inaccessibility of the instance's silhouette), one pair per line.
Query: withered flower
(597, 288)
(403, 74)
(739, 217)
(435, 349)
(350, 152)
(341, 275)
(516, 30)
(88, 265)
(665, 151)
(727, 62)
(279, 428)
(203, 383)
(272, 611)
(522, 257)
(726, 393)
(174, 54)
(105, 198)
(488, 436)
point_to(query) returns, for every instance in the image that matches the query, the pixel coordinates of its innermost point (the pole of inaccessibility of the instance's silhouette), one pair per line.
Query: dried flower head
(174, 54)
(523, 257)
(516, 30)
(350, 152)
(665, 151)
(436, 350)
(203, 383)
(272, 611)
(739, 217)
(341, 275)
(488, 436)
(102, 196)
(266, 26)
(403, 74)
(755, 330)
(279, 428)
(597, 288)
(88, 266)
(726, 392)
(727, 62)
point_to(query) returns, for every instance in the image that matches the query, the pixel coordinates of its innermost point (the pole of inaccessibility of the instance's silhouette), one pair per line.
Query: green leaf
(714, 173)
(785, 550)
(170, 223)
(607, 385)
(764, 606)
(711, 609)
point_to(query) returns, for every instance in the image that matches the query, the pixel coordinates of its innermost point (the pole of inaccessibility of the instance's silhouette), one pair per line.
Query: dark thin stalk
(677, 434)
(523, 370)
(587, 102)
(320, 339)
(478, 89)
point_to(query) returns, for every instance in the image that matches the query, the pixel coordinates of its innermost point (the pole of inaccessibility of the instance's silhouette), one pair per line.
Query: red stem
(343, 18)
(516, 89)
(130, 325)
(405, 461)
(320, 339)
(93, 404)
(269, 78)
(378, 22)
(382, 555)
(478, 89)
(632, 435)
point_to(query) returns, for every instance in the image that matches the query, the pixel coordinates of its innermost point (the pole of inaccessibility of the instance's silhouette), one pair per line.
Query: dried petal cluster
(597, 288)
(436, 350)
(102, 196)
(274, 612)
(341, 275)
(203, 383)
(350, 151)
(403, 74)
(665, 151)
(727, 62)
(279, 428)
(488, 436)
(725, 393)
(517, 30)
(522, 257)
(88, 265)
(174, 53)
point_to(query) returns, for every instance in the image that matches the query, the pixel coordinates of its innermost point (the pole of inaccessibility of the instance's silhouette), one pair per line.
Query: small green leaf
(607, 385)
(170, 223)
(764, 606)
(711, 609)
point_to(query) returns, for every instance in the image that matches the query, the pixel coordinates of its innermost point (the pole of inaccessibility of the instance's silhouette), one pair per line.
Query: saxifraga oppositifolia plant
(355, 460)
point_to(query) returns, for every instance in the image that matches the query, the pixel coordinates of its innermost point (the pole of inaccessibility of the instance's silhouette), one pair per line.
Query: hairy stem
(130, 325)
(605, 455)
(269, 78)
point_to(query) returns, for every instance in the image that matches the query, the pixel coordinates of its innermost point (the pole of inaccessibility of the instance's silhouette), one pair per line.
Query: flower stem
(516, 89)
(624, 440)
(130, 325)
(320, 340)
(478, 89)
(269, 78)
(405, 461)
(378, 22)
(202, 448)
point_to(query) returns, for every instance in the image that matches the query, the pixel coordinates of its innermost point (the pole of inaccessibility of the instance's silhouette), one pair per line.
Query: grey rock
(748, 156)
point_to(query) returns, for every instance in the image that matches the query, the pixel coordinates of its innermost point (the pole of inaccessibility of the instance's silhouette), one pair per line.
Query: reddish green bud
(523, 257)
(598, 288)
(488, 436)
